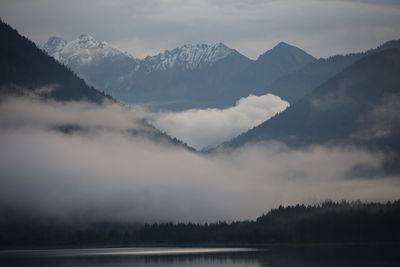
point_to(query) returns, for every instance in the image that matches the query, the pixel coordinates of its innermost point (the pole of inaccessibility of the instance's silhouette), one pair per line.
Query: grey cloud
(33, 112)
(373, 2)
(107, 174)
(322, 28)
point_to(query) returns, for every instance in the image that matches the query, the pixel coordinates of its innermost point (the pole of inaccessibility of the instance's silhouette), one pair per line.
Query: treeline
(328, 222)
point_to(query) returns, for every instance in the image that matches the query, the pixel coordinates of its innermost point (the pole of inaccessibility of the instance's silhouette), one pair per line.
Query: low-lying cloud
(203, 128)
(32, 111)
(106, 173)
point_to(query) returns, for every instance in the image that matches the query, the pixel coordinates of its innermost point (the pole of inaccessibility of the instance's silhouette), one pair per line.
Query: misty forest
(170, 148)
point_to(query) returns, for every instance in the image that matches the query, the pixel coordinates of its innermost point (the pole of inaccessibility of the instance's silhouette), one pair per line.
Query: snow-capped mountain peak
(85, 41)
(83, 50)
(86, 50)
(54, 45)
(188, 56)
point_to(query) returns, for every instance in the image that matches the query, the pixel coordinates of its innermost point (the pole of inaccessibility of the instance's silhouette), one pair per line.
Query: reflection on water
(278, 256)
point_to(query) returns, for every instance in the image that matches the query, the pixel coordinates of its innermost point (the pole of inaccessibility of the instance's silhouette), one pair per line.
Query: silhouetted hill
(297, 84)
(25, 67)
(359, 105)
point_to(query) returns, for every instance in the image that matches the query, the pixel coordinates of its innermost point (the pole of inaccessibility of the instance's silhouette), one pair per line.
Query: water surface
(279, 256)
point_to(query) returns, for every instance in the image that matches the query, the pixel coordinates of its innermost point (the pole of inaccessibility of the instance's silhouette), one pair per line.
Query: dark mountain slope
(297, 84)
(359, 105)
(277, 62)
(23, 65)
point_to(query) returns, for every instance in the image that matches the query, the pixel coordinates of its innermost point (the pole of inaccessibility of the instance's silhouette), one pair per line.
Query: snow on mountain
(187, 57)
(54, 46)
(189, 76)
(86, 50)
(81, 51)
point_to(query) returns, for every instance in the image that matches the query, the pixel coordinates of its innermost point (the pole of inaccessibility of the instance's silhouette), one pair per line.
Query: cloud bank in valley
(202, 128)
(106, 173)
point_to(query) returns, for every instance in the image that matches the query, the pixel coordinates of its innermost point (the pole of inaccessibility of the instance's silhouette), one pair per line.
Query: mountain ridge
(356, 106)
(188, 56)
(295, 85)
(189, 76)
(277, 62)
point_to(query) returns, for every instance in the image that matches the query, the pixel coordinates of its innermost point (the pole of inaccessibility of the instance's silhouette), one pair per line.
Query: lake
(279, 256)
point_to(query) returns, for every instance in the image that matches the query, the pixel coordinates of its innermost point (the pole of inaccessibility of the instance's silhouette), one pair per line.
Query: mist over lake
(203, 133)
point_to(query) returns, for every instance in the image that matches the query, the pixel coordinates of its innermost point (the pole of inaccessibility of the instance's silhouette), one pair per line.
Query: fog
(202, 128)
(106, 173)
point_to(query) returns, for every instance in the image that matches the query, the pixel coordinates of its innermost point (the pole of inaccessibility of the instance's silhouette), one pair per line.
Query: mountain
(297, 84)
(359, 106)
(189, 76)
(280, 60)
(277, 62)
(177, 79)
(99, 64)
(187, 57)
(186, 77)
(23, 65)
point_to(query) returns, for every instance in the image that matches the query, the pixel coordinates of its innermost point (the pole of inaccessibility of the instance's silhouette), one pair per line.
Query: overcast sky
(321, 27)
